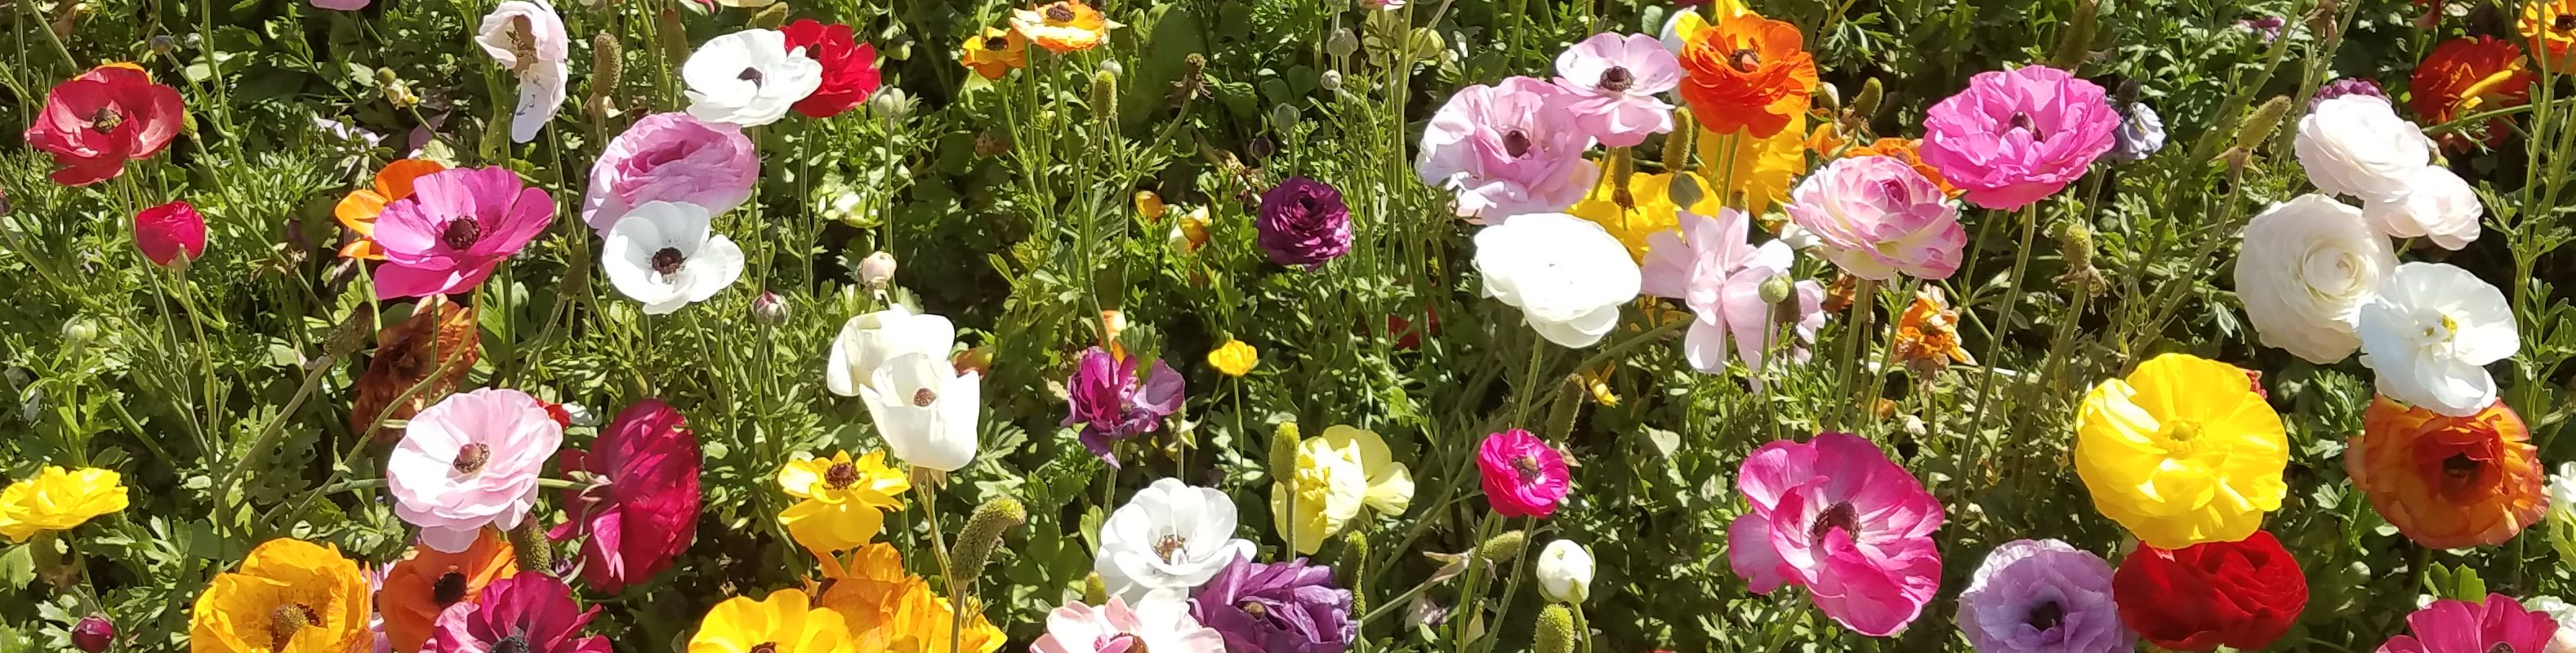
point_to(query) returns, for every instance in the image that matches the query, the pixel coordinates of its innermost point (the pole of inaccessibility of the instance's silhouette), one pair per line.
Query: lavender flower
(2267, 27)
(1288, 607)
(1110, 404)
(2346, 86)
(1303, 222)
(2139, 135)
(2042, 595)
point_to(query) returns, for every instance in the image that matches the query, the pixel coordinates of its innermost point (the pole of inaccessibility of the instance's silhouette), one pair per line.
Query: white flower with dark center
(869, 341)
(666, 255)
(2430, 333)
(748, 78)
(1169, 536)
(926, 410)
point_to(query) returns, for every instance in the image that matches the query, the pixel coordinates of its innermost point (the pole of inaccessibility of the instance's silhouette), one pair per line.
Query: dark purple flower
(1110, 404)
(641, 509)
(2346, 86)
(1303, 222)
(1288, 607)
(93, 633)
(2268, 27)
(527, 613)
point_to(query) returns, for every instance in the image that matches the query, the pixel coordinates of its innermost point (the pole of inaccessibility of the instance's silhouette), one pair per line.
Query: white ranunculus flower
(2436, 204)
(2562, 489)
(1566, 274)
(2356, 145)
(2430, 333)
(530, 40)
(1169, 536)
(1565, 572)
(2564, 641)
(748, 78)
(926, 410)
(2307, 267)
(869, 341)
(666, 255)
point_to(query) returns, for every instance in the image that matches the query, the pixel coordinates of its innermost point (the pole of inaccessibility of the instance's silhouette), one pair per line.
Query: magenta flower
(1508, 149)
(1612, 81)
(1835, 516)
(1715, 271)
(456, 226)
(2015, 136)
(641, 507)
(1876, 217)
(1523, 476)
(170, 233)
(469, 461)
(670, 157)
(1110, 405)
(2453, 626)
(528, 613)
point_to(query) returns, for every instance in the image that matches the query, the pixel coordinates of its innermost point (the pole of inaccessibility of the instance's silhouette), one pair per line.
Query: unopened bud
(1867, 102)
(534, 551)
(163, 44)
(1331, 81)
(675, 36)
(1094, 590)
(1342, 43)
(770, 17)
(769, 308)
(876, 271)
(1829, 97)
(1104, 96)
(983, 534)
(2075, 243)
(1502, 548)
(94, 633)
(2075, 44)
(1555, 630)
(80, 331)
(893, 104)
(1569, 402)
(2258, 127)
(1283, 451)
(1677, 151)
(1776, 289)
(1283, 117)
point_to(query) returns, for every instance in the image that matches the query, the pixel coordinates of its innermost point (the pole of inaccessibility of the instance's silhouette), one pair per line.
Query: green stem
(2002, 328)
(1465, 611)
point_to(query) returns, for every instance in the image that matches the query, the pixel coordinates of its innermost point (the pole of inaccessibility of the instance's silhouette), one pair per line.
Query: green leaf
(18, 567)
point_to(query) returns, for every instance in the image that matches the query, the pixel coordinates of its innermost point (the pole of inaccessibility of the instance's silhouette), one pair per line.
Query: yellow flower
(1762, 169)
(1191, 232)
(1150, 205)
(994, 53)
(290, 596)
(922, 619)
(1063, 26)
(57, 500)
(866, 593)
(1651, 208)
(2182, 452)
(1338, 473)
(783, 623)
(844, 500)
(2551, 27)
(1690, 22)
(1235, 358)
(1597, 382)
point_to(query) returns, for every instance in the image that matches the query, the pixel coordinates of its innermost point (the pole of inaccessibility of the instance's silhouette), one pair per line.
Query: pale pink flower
(1507, 149)
(1613, 80)
(1835, 516)
(1718, 273)
(456, 226)
(1876, 216)
(1161, 623)
(530, 40)
(471, 461)
(670, 157)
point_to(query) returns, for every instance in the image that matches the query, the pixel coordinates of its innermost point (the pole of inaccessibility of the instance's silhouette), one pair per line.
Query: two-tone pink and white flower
(1836, 516)
(1716, 271)
(530, 40)
(471, 461)
(1877, 217)
(1507, 149)
(1612, 81)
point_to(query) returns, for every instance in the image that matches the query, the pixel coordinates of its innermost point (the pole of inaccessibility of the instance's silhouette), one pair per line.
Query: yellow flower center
(1169, 548)
(2181, 437)
(284, 621)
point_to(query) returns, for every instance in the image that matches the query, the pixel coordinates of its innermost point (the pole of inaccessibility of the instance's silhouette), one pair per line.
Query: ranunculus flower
(2241, 594)
(326, 599)
(994, 53)
(2042, 596)
(1303, 222)
(1339, 473)
(748, 78)
(2140, 135)
(2356, 145)
(93, 634)
(455, 228)
(468, 462)
(1063, 26)
(2181, 452)
(786, 621)
(1507, 149)
(529, 39)
(1522, 475)
(426, 582)
(639, 509)
(530, 613)
(2435, 204)
(1648, 206)
(1157, 623)
(1612, 81)
(2454, 626)
(841, 501)
(2448, 482)
(2430, 333)
(1908, 150)
(1711, 268)
(849, 71)
(1747, 73)
(95, 122)
(926, 410)
(1285, 607)
(1169, 536)
(2017, 136)
(668, 255)
(671, 157)
(1111, 404)
(1564, 572)
(2346, 86)
(1877, 217)
(58, 499)
(1567, 275)
(2467, 75)
(2307, 268)
(867, 342)
(1927, 335)
(170, 234)
(358, 210)
(1756, 173)
(1835, 516)
(439, 335)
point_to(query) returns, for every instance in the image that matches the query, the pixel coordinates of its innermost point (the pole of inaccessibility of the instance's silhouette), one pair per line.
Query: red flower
(96, 121)
(849, 67)
(641, 507)
(2469, 75)
(1402, 328)
(163, 231)
(2241, 594)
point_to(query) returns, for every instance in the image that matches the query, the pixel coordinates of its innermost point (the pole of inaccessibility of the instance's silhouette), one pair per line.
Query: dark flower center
(2047, 616)
(1617, 79)
(461, 233)
(470, 459)
(2022, 122)
(107, 118)
(1059, 13)
(765, 647)
(1516, 143)
(1745, 60)
(1840, 515)
(841, 475)
(668, 260)
(996, 43)
(2460, 467)
(449, 589)
(511, 644)
(2564, 22)
(1169, 548)
(922, 398)
(1135, 644)
(1528, 467)
(749, 74)
(2503, 647)
(284, 621)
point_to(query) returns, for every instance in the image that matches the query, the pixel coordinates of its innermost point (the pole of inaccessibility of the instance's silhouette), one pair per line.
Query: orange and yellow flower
(1747, 73)
(785, 622)
(422, 584)
(1062, 26)
(440, 334)
(1761, 170)
(358, 210)
(995, 52)
(2551, 27)
(2448, 482)
(1927, 334)
(290, 596)
(886, 609)
(2467, 75)
(1907, 150)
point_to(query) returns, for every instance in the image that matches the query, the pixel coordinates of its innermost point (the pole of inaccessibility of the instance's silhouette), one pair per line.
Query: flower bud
(529, 542)
(1502, 548)
(94, 633)
(1565, 572)
(1776, 289)
(1569, 401)
(1283, 452)
(163, 44)
(2075, 43)
(877, 270)
(1425, 43)
(1555, 630)
(769, 308)
(1829, 97)
(2258, 127)
(1283, 117)
(675, 36)
(1342, 43)
(80, 331)
(1094, 590)
(770, 17)
(1104, 96)
(893, 104)
(1150, 205)
(1331, 81)
(1866, 103)
(983, 533)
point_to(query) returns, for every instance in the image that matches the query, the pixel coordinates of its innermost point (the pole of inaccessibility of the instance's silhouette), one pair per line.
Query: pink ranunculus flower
(670, 157)
(1523, 476)
(1876, 217)
(1835, 516)
(1507, 149)
(1612, 80)
(1718, 273)
(641, 507)
(2453, 626)
(2016, 136)
(170, 233)
(1160, 623)
(456, 226)
(469, 461)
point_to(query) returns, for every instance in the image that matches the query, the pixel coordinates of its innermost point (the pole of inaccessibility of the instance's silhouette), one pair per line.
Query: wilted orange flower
(1747, 73)
(995, 52)
(438, 333)
(1062, 26)
(2551, 27)
(1927, 334)
(2448, 482)
(358, 210)
(425, 582)
(2468, 75)
(1909, 151)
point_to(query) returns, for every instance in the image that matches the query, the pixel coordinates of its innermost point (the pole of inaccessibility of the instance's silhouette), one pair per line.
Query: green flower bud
(1502, 548)
(1677, 150)
(2258, 127)
(1569, 401)
(1342, 43)
(770, 17)
(1867, 102)
(1283, 117)
(1283, 452)
(2076, 43)
(983, 533)
(1104, 96)
(675, 37)
(1555, 630)
(1776, 289)
(535, 552)
(1094, 590)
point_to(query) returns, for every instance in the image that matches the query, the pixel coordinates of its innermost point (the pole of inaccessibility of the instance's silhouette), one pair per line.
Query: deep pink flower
(469, 461)
(1835, 516)
(1612, 81)
(1507, 149)
(456, 226)
(641, 509)
(1111, 404)
(670, 157)
(2452, 626)
(1715, 271)
(95, 122)
(164, 231)
(1523, 476)
(2016, 136)
(527, 613)
(1876, 216)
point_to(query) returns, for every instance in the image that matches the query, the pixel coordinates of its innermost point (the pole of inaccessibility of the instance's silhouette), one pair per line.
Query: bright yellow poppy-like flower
(1150, 205)
(58, 499)
(786, 622)
(1338, 473)
(1234, 358)
(1650, 207)
(1063, 26)
(2551, 27)
(1757, 171)
(2182, 452)
(290, 596)
(922, 619)
(994, 53)
(844, 499)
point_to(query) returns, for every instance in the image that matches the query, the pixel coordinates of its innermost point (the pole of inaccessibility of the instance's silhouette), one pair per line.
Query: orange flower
(995, 52)
(1749, 73)
(1927, 334)
(1907, 150)
(2551, 27)
(358, 210)
(1062, 26)
(2467, 75)
(425, 582)
(866, 593)
(2448, 482)
(439, 333)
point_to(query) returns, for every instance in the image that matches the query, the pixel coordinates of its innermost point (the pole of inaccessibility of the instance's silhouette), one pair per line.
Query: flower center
(449, 589)
(1169, 548)
(470, 460)
(1135, 644)
(2564, 22)
(2460, 467)
(523, 43)
(1745, 60)
(461, 233)
(2023, 122)
(2047, 616)
(2179, 437)
(1516, 143)
(2449, 327)
(1059, 13)
(1839, 515)
(286, 620)
(840, 476)
(668, 260)
(511, 644)
(923, 397)
(106, 120)
(996, 43)
(2501, 647)
(1617, 79)
(765, 647)
(749, 74)
(1528, 466)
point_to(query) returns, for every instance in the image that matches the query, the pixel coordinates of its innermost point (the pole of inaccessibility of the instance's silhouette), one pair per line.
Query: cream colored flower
(2308, 266)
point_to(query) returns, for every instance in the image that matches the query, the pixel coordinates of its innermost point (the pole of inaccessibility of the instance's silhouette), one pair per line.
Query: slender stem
(1468, 593)
(2003, 327)
(1528, 391)
(1864, 311)
(947, 576)
(1512, 584)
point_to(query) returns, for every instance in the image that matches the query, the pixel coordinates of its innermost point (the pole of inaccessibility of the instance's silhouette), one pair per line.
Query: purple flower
(2034, 596)
(2267, 27)
(1110, 404)
(1288, 607)
(1611, 81)
(527, 613)
(2017, 136)
(1303, 222)
(2346, 86)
